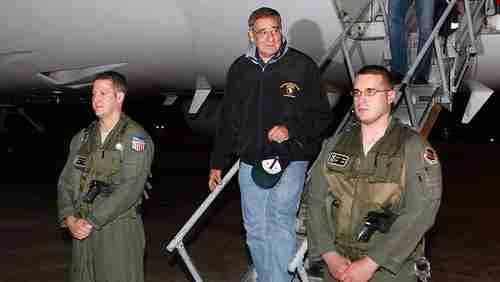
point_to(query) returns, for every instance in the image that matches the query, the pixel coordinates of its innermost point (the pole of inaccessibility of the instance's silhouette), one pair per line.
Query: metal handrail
(472, 30)
(337, 44)
(177, 242)
(428, 42)
(471, 17)
(432, 38)
(297, 262)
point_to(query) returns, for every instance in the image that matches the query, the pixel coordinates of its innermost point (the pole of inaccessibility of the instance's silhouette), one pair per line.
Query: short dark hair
(118, 79)
(378, 70)
(263, 12)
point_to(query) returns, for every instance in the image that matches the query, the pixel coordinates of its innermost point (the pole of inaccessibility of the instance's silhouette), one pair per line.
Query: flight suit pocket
(430, 182)
(333, 204)
(115, 163)
(130, 165)
(386, 169)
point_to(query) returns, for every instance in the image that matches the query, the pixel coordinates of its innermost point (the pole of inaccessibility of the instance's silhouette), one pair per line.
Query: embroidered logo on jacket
(337, 159)
(289, 89)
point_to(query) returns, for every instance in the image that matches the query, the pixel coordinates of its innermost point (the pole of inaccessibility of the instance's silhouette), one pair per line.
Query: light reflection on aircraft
(51, 51)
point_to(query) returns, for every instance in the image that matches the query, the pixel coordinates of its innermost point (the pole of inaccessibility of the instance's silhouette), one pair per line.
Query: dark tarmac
(462, 246)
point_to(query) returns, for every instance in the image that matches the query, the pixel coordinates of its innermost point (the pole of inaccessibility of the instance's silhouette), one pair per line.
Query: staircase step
(421, 101)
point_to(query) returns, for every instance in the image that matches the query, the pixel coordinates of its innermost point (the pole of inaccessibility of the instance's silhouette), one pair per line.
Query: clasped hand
(342, 269)
(80, 228)
(279, 133)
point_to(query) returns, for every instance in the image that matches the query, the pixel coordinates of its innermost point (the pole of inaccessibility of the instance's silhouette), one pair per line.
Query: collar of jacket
(251, 53)
(383, 145)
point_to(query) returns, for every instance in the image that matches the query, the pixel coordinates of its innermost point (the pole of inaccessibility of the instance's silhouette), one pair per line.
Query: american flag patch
(138, 144)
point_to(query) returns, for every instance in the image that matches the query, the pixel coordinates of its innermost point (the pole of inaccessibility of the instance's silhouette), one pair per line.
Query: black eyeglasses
(263, 33)
(369, 92)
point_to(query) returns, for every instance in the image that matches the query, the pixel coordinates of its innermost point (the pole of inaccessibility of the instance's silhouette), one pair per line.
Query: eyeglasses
(263, 33)
(369, 92)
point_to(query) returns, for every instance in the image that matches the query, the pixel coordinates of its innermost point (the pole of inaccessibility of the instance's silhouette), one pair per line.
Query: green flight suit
(401, 173)
(114, 251)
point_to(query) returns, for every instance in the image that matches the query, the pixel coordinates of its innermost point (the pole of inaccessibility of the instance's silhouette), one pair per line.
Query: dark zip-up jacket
(258, 96)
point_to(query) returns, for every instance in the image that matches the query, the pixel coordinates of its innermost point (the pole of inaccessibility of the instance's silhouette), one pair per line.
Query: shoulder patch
(80, 161)
(337, 159)
(138, 143)
(430, 156)
(85, 135)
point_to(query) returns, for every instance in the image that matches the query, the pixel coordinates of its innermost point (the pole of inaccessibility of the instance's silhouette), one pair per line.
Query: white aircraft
(163, 47)
(50, 50)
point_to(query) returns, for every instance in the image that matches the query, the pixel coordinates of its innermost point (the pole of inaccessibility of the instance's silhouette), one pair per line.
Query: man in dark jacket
(271, 117)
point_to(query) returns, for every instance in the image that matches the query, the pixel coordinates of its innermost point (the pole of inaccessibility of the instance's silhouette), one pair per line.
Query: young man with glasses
(374, 192)
(272, 100)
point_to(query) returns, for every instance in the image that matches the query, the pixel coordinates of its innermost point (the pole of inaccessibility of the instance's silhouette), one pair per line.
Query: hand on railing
(214, 179)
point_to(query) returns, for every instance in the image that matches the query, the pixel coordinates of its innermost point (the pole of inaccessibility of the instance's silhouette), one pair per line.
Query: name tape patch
(337, 159)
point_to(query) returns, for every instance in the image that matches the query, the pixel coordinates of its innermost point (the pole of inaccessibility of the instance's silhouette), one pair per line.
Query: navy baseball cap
(267, 172)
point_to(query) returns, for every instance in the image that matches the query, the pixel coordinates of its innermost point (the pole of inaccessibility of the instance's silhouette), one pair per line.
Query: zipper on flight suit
(354, 199)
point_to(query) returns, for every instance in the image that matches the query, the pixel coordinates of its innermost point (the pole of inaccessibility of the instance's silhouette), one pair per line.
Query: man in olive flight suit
(374, 192)
(101, 187)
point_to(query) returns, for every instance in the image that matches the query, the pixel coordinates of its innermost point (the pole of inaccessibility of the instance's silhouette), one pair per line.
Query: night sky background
(32, 157)
(37, 250)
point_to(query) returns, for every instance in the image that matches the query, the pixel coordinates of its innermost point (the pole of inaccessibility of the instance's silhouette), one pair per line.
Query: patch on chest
(85, 136)
(289, 89)
(337, 159)
(430, 156)
(80, 161)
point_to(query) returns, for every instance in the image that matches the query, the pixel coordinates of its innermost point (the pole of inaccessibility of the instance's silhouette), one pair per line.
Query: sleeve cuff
(94, 222)
(291, 131)
(217, 162)
(62, 216)
(324, 251)
(216, 166)
(385, 262)
(316, 253)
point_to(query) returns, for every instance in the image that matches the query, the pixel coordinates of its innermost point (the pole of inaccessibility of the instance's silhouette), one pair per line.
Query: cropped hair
(119, 81)
(263, 12)
(378, 70)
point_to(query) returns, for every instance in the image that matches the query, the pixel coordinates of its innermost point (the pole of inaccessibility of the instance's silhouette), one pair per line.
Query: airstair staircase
(416, 105)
